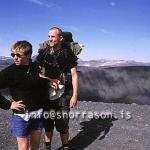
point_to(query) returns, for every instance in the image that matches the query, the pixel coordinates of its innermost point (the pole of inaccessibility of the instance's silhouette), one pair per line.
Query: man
(59, 64)
(28, 92)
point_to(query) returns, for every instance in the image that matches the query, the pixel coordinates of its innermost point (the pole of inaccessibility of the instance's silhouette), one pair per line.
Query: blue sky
(109, 29)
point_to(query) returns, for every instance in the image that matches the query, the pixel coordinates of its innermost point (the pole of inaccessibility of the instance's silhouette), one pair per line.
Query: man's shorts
(58, 117)
(22, 128)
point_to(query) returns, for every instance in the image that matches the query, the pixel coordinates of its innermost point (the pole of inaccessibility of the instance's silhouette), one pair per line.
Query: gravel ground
(96, 126)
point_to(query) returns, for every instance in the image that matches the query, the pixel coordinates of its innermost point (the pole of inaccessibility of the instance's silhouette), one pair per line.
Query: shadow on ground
(90, 131)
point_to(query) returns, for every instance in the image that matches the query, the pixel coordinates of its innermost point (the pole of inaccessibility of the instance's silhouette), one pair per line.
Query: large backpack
(76, 47)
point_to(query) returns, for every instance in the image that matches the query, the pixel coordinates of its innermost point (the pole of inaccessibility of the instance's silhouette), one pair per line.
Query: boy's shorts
(22, 128)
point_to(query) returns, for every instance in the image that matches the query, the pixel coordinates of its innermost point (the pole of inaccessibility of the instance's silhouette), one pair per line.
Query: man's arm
(6, 104)
(4, 83)
(17, 105)
(75, 84)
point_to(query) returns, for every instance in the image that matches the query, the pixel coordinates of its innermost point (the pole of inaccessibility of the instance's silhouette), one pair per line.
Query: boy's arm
(7, 104)
(4, 103)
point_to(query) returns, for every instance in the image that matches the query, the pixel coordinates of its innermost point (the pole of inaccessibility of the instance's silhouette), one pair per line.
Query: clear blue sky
(109, 29)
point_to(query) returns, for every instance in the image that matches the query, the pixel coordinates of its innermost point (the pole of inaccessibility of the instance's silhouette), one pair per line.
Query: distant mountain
(90, 63)
(110, 80)
(110, 63)
(4, 58)
(5, 61)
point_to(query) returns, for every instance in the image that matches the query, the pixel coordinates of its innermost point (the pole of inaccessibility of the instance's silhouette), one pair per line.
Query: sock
(65, 145)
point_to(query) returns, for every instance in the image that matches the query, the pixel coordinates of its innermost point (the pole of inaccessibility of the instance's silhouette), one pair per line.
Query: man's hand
(73, 101)
(54, 83)
(17, 105)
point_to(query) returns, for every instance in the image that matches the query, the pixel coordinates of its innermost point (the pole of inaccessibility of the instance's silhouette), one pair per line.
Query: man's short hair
(56, 28)
(22, 46)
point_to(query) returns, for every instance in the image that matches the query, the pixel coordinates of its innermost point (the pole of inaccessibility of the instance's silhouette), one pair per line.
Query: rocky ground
(97, 126)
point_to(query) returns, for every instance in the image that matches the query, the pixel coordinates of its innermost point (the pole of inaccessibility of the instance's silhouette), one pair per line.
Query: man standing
(28, 92)
(59, 65)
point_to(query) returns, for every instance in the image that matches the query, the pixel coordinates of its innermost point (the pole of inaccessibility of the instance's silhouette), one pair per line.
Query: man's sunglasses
(17, 54)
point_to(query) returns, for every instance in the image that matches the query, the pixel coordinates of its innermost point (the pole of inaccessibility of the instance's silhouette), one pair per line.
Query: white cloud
(72, 28)
(105, 31)
(112, 4)
(44, 3)
(38, 2)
